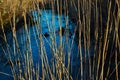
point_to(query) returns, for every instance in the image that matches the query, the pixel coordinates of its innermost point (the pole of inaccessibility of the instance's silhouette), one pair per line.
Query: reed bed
(97, 26)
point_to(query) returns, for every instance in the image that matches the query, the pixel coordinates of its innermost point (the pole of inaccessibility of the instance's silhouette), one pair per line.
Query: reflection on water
(50, 24)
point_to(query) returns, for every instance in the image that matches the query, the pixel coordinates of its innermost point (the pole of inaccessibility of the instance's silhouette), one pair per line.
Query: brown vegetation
(97, 21)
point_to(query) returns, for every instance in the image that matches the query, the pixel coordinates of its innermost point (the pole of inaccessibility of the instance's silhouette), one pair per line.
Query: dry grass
(8, 7)
(97, 22)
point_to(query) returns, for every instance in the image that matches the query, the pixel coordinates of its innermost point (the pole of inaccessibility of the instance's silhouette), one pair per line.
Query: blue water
(50, 24)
